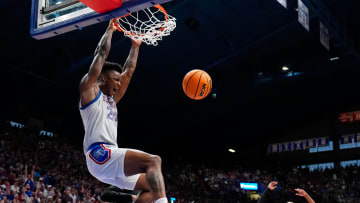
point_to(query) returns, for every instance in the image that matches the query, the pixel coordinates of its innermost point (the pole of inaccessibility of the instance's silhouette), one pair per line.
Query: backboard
(55, 17)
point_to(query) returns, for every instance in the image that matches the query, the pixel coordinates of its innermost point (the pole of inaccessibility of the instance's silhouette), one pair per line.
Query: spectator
(186, 183)
(26, 194)
(66, 197)
(74, 196)
(29, 178)
(16, 198)
(49, 199)
(15, 187)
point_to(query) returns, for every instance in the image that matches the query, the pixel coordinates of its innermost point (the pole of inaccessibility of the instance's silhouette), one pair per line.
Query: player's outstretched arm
(101, 53)
(129, 68)
(26, 172)
(302, 193)
(271, 187)
(33, 172)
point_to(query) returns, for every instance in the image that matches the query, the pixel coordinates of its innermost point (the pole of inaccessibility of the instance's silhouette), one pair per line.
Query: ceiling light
(285, 68)
(334, 58)
(231, 150)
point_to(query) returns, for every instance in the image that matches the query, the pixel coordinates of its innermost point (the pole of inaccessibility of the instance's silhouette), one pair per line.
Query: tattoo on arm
(155, 180)
(101, 53)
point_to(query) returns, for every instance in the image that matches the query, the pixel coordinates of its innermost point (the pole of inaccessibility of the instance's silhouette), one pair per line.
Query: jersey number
(112, 115)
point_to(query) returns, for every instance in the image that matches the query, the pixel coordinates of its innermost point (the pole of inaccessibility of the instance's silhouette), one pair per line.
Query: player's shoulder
(85, 85)
(84, 79)
(92, 90)
(88, 94)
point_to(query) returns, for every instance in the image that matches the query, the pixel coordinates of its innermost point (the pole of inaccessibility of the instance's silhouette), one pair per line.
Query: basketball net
(148, 25)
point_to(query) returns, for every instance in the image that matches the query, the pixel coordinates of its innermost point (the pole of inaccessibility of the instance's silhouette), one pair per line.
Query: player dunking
(100, 90)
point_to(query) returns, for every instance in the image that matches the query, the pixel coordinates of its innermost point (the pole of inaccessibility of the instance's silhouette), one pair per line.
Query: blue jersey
(31, 183)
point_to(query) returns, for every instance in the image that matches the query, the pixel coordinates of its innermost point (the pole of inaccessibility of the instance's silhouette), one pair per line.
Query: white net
(148, 25)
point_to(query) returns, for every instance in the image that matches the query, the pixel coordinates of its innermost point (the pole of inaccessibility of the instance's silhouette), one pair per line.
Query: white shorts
(106, 163)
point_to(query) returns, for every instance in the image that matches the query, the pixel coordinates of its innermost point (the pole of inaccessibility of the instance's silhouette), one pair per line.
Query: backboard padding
(41, 28)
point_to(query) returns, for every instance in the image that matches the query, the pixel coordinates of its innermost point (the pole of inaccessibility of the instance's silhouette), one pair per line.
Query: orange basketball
(197, 84)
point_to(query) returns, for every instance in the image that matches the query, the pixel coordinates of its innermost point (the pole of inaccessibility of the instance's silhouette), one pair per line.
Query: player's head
(110, 78)
(111, 66)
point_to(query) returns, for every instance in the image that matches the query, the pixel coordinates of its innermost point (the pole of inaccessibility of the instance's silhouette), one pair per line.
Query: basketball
(197, 84)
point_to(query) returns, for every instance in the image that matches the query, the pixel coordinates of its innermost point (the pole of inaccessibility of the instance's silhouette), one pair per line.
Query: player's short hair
(108, 66)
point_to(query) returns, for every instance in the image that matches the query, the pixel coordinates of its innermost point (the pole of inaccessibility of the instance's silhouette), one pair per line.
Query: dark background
(233, 41)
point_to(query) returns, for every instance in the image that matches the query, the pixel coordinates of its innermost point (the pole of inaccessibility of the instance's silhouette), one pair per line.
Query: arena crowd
(40, 169)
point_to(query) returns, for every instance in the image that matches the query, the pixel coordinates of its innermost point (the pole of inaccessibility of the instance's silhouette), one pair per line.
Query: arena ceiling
(242, 44)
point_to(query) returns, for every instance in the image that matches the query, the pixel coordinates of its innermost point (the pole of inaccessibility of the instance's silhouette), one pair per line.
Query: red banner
(349, 117)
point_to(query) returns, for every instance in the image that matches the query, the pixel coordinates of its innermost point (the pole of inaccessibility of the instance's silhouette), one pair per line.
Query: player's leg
(116, 189)
(136, 162)
(115, 194)
(109, 169)
(114, 171)
(145, 195)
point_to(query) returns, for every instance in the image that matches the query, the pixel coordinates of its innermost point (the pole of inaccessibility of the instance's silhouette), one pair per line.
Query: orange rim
(116, 23)
(163, 11)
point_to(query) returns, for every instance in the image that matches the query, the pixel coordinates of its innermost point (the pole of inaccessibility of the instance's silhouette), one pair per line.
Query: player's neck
(103, 89)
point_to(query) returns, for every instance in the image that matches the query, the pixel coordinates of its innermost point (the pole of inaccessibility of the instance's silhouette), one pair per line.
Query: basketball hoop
(148, 25)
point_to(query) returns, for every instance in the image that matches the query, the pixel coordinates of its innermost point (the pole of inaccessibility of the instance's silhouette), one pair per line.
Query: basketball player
(100, 90)
(273, 185)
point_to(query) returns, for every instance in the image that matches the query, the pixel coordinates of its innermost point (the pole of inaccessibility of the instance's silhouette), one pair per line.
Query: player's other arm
(89, 81)
(129, 68)
(26, 172)
(271, 187)
(32, 173)
(303, 193)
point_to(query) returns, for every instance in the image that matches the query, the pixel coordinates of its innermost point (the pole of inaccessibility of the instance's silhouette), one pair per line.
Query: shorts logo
(99, 154)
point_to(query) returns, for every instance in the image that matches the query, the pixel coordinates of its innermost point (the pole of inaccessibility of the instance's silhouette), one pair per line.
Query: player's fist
(300, 192)
(112, 26)
(272, 185)
(136, 43)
